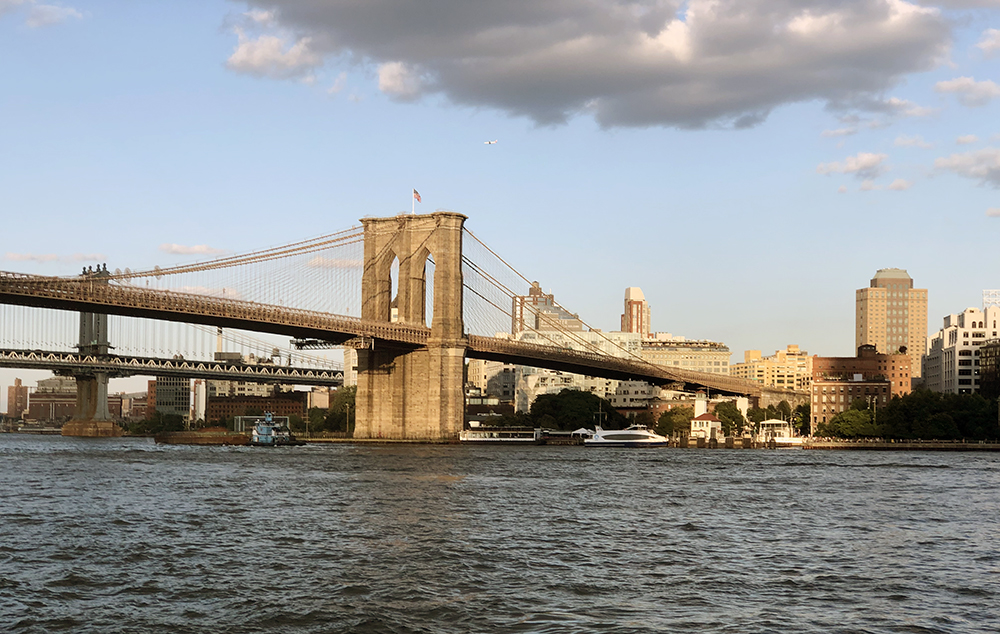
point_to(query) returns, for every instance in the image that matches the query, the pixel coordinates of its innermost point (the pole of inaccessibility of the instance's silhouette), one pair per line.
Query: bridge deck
(100, 295)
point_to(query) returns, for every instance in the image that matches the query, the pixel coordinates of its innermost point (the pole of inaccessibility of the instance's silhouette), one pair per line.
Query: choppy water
(121, 535)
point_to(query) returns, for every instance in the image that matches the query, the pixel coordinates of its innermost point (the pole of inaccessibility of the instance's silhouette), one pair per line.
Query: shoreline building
(872, 376)
(892, 316)
(790, 368)
(17, 399)
(662, 348)
(952, 362)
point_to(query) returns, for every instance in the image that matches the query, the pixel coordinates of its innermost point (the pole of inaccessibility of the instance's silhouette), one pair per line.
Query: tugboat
(268, 433)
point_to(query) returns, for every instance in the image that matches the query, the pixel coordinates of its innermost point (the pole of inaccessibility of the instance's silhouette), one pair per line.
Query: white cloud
(48, 14)
(842, 189)
(966, 139)
(682, 63)
(970, 92)
(909, 109)
(839, 132)
(271, 56)
(338, 84)
(399, 81)
(180, 249)
(264, 18)
(982, 165)
(990, 43)
(868, 186)
(899, 185)
(993, 212)
(866, 165)
(31, 257)
(912, 141)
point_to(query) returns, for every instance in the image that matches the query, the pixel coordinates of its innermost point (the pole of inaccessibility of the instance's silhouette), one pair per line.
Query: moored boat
(501, 434)
(631, 436)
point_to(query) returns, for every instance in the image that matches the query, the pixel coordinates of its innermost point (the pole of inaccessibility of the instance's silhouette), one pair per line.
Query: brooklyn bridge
(414, 295)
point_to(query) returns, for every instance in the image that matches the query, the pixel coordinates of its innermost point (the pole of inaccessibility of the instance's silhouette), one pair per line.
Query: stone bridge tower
(405, 393)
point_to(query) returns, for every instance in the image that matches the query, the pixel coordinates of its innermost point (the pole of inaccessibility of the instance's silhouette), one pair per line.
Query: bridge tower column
(405, 393)
(92, 417)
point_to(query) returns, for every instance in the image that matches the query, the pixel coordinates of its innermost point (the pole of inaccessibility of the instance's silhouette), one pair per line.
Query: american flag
(416, 196)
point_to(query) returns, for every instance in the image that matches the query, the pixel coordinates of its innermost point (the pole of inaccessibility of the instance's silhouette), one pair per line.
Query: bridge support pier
(413, 394)
(92, 418)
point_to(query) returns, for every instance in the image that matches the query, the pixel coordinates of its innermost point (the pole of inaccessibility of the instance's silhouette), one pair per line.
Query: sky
(747, 163)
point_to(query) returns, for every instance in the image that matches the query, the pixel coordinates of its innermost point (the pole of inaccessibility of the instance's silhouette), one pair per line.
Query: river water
(121, 535)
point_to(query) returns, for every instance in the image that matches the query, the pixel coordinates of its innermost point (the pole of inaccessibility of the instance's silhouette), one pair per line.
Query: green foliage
(784, 410)
(731, 417)
(922, 415)
(801, 417)
(756, 415)
(850, 424)
(157, 423)
(572, 409)
(675, 421)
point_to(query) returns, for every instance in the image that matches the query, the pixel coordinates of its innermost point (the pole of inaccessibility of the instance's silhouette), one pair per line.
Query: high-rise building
(17, 399)
(892, 316)
(952, 362)
(636, 317)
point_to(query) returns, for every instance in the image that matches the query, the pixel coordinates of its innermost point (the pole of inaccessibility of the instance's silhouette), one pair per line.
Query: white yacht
(632, 436)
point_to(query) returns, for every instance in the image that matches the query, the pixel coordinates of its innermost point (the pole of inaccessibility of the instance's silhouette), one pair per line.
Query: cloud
(868, 186)
(908, 108)
(180, 249)
(865, 165)
(970, 92)
(912, 141)
(399, 81)
(839, 132)
(990, 43)
(899, 185)
(272, 56)
(966, 139)
(982, 165)
(31, 257)
(338, 84)
(637, 63)
(842, 189)
(993, 212)
(47, 14)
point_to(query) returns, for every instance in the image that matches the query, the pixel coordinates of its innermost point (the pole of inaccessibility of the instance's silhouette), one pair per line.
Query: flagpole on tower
(416, 199)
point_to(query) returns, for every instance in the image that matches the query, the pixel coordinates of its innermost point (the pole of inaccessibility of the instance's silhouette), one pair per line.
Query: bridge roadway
(104, 295)
(118, 366)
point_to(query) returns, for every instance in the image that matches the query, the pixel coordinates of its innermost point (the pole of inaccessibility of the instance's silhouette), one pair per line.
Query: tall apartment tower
(892, 316)
(636, 316)
(17, 399)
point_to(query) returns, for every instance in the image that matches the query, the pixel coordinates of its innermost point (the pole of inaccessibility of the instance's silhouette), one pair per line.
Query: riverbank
(903, 445)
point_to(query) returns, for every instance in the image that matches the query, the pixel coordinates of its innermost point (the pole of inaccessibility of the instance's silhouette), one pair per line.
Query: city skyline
(158, 134)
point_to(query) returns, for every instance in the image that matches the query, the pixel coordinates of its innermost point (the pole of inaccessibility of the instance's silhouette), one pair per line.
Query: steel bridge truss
(122, 366)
